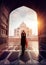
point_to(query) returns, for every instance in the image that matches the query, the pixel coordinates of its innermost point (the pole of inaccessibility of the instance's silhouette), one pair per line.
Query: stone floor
(12, 55)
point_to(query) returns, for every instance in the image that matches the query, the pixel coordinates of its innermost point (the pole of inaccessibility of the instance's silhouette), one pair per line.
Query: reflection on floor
(12, 55)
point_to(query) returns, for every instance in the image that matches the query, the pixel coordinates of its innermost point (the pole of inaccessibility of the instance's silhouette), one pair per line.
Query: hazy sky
(23, 14)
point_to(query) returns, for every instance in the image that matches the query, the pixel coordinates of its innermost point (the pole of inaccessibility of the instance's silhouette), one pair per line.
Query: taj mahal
(17, 31)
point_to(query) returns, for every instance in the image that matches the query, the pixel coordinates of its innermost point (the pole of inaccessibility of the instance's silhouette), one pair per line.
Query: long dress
(23, 41)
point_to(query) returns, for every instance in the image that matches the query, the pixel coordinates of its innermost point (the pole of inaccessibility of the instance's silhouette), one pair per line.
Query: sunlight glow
(35, 48)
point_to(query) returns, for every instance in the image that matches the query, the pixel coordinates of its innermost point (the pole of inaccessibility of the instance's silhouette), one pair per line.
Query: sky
(23, 14)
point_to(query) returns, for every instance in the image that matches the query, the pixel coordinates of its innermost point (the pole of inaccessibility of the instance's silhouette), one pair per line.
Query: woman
(23, 41)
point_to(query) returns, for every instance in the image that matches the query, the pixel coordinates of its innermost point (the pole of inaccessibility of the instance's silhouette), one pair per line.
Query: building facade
(4, 24)
(18, 31)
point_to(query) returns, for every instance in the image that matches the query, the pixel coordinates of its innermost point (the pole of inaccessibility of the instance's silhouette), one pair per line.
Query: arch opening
(24, 18)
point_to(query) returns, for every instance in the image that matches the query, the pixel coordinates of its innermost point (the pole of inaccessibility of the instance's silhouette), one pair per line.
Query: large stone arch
(29, 17)
(41, 31)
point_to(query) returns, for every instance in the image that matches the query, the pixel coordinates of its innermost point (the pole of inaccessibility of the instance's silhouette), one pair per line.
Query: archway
(21, 18)
(7, 6)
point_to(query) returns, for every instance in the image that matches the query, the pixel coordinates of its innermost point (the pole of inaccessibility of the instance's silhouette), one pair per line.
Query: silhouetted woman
(23, 41)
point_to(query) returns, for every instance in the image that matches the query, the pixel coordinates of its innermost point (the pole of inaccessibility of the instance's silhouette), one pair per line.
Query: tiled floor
(11, 55)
